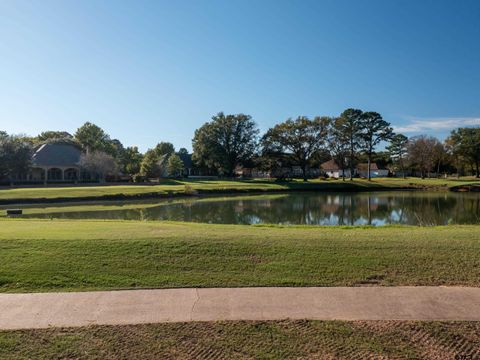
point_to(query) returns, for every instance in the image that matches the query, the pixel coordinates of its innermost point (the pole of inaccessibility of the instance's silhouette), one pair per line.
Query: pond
(307, 208)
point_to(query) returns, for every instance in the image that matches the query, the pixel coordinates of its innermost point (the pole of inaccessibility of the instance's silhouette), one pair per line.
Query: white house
(331, 169)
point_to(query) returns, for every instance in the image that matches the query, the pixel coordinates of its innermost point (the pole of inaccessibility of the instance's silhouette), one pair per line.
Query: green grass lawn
(57, 255)
(250, 340)
(171, 187)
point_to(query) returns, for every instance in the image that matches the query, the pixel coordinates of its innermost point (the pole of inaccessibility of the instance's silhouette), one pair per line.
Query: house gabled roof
(57, 154)
(364, 166)
(330, 165)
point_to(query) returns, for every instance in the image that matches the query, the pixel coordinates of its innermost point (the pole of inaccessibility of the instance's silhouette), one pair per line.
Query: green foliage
(175, 166)
(132, 160)
(338, 143)
(46, 136)
(182, 152)
(92, 138)
(398, 150)
(155, 161)
(15, 156)
(114, 148)
(350, 125)
(301, 139)
(465, 144)
(164, 148)
(374, 131)
(226, 142)
(149, 166)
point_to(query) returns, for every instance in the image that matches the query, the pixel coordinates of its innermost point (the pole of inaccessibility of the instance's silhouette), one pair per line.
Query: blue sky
(150, 71)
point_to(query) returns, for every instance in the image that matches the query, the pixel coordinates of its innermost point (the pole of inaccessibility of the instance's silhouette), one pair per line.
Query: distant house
(375, 171)
(55, 162)
(331, 169)
(280, 172)
(190, 169)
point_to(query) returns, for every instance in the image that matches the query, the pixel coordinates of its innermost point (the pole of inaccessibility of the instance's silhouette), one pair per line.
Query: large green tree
(175, 166)
(92, 138)
(339, 144)
(15, 156)
(301, 138)
(164, 148)
(132, 160)
(350, 124)
(155, 160)
(466, 142)
(373, 131)
(46, 136)
(150, 166)
(225, 142)
(398, 150)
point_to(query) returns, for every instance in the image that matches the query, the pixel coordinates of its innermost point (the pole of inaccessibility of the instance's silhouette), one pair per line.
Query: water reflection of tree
(311, 209)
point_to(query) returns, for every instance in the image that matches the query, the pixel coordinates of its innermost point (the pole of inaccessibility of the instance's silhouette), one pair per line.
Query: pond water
(309, 208)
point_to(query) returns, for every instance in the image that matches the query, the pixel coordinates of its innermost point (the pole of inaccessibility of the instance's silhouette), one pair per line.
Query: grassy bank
(252, 340)
(59, 255)
(188, 187)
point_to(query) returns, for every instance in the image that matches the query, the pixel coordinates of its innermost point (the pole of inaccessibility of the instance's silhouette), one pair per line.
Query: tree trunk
(304, 171)
(478, 166)
(351, 168)
(368, 170)
(351, 159)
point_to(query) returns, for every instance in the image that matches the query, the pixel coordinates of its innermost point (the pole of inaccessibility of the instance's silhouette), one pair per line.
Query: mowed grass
(250, 340)
(172, 187)
(68, 255)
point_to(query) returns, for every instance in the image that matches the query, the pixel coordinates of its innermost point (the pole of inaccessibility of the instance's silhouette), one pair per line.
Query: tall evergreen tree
(398, 150)
(350, 124)
(374, 130)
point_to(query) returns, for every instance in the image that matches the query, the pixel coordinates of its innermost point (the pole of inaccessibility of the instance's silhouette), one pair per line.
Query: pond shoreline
(308, 187)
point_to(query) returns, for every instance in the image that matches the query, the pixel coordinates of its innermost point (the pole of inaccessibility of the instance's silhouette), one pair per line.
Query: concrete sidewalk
(41, 310)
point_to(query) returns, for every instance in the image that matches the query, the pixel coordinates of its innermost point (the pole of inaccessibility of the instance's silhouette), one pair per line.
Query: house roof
(330, 165)
(364, 166)
(57, 154)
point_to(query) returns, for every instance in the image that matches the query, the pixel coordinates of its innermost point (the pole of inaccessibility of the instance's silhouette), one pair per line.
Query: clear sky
(150, 71)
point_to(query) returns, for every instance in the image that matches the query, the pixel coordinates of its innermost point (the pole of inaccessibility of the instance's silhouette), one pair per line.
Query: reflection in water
(412, 208)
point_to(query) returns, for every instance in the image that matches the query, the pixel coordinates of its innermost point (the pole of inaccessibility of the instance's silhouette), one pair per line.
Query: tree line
(230, 141)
